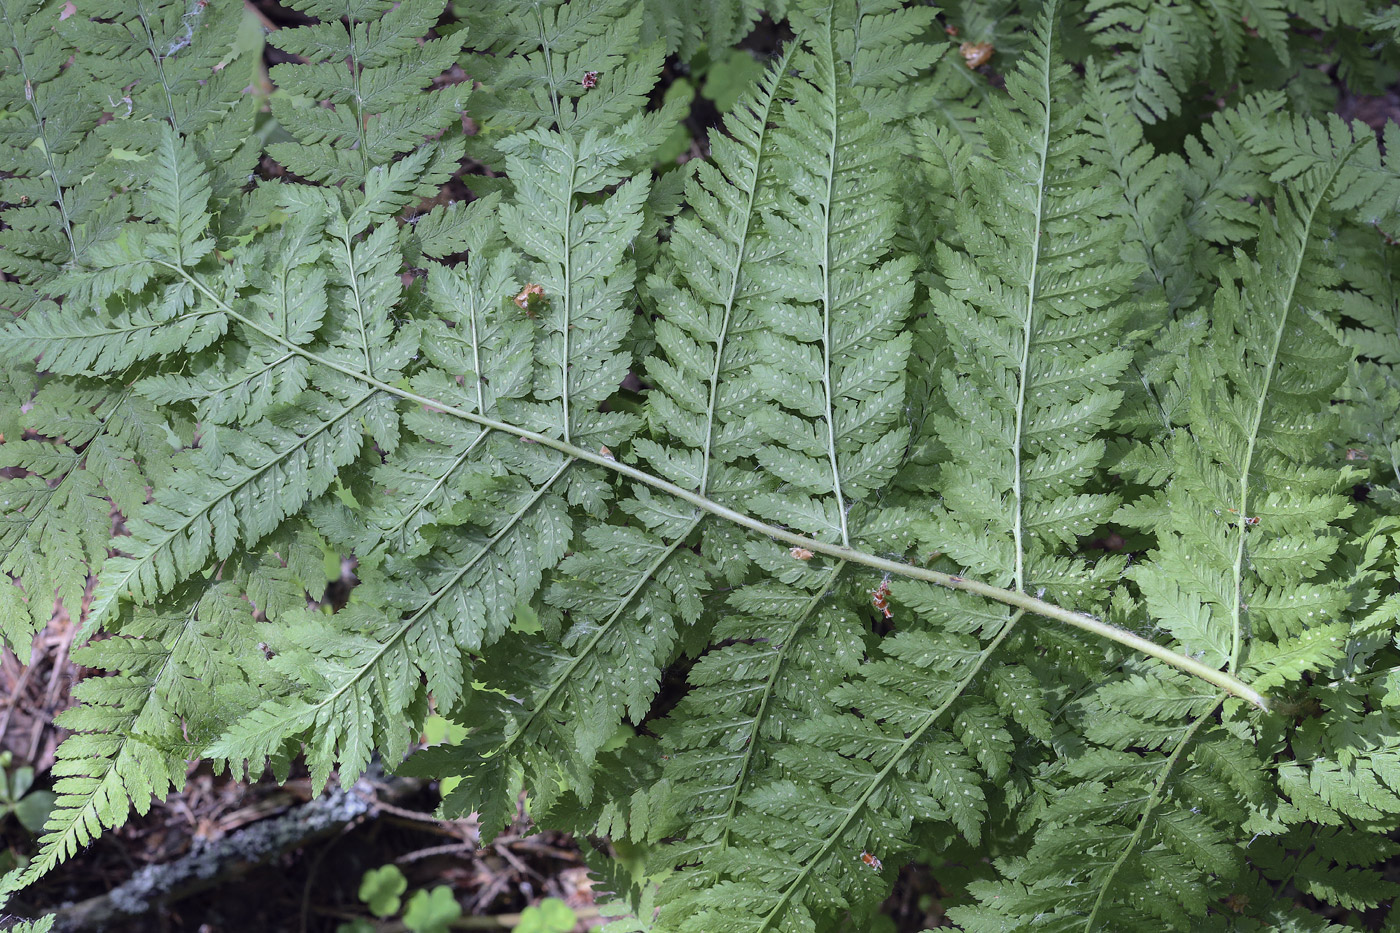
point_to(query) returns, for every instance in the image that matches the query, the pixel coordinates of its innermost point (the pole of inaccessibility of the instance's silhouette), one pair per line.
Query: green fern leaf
(129, 748)
(1243, 533)
(381, 108)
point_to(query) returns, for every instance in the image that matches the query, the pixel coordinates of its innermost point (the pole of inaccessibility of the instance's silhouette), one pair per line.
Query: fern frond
(475, 336)
(233, 492)
(884, 46)
(578, 262)
(691, 27)
(1153, 206)
(1368, 184)
(467, 594)
(474, 575)
(830, 365)
(833, 346)
(713, 757)
(1171, 44)
(181, 665)
(153, 322)
(840, 785)
(58, 519)
(1175, 45)
(536, 56)
(375, 73)
(613, 426)
(171, 58)
(1223, 171)
(631, 589)
(1373, 390)
(49, 152)
(246, 381)
(1032, 312)
(159, 65)
(790, 649)
(1385, 19)
(1243, 535)
(862, 781)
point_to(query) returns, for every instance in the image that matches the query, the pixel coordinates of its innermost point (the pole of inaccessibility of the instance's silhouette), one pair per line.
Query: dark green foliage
(748, 511)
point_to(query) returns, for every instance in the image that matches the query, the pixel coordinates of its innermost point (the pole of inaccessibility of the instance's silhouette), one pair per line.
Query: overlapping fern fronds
(746, 511)
(1139, 829)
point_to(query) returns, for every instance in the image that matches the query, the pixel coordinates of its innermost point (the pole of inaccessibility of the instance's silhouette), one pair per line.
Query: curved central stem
(1222, 679)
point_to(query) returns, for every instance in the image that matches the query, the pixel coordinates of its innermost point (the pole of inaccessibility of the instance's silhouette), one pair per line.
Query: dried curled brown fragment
(530, 299)
(976, 54)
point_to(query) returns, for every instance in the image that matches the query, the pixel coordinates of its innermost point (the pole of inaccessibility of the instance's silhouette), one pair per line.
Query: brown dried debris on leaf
(530, 299)
(976, 54)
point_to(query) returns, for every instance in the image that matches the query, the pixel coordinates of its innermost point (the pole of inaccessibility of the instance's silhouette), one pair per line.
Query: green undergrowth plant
(425, 911)
(29, 807)
(996, 467)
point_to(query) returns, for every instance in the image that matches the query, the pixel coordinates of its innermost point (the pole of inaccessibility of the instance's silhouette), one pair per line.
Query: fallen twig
(219, 861)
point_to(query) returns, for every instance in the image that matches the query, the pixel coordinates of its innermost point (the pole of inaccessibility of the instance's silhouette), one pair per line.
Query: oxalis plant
(985, 455)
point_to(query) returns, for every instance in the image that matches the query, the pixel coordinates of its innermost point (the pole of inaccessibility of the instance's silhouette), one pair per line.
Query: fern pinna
(848, 517)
